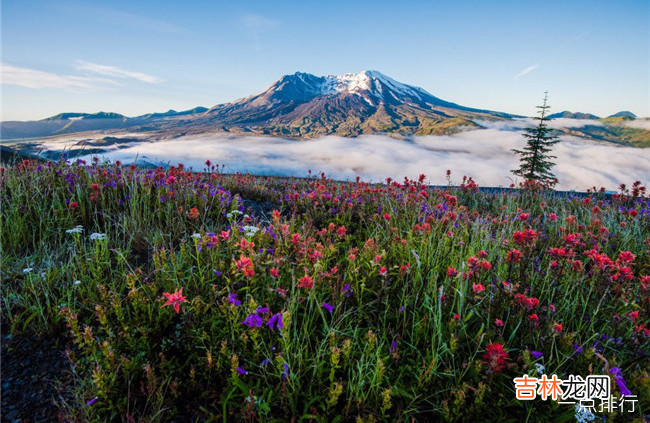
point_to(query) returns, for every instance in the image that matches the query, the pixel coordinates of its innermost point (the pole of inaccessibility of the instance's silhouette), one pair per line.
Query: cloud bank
(639, 123)
(483, 154)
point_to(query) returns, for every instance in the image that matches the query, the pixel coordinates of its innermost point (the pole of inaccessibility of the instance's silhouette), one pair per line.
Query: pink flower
(498, 323)
(175, 300)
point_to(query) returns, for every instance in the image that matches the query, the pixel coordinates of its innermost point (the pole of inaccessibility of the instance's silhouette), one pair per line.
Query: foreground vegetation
(202, 296)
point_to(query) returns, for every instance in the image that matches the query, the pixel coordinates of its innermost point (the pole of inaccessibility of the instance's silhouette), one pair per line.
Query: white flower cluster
(196, 236)
(250, 230)
(76, 230)
(97, 237)
(540, 368)
(232, 213)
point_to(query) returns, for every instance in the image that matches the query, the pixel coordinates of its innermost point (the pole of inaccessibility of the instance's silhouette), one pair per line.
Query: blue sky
(145, 56)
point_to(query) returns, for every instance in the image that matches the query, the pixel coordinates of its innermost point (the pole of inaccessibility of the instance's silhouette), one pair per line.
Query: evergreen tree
(536, 163)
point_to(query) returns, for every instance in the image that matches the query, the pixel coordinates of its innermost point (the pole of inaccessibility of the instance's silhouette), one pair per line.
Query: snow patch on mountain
(367, 82)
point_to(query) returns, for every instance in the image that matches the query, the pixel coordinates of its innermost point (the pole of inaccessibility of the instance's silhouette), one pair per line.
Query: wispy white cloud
(32, 78)
(256, 25)
(526, 71)
(116, 72)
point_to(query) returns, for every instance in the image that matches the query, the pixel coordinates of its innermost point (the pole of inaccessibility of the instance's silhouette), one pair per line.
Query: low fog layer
(483, 154)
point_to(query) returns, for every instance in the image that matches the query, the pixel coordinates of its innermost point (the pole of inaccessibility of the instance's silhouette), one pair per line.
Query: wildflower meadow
(193, 295)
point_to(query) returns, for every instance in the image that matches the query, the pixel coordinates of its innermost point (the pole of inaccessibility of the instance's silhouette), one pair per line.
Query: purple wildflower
(265, 362)
(232, 299)
(285, 373)
(276, 320)
(329, 307)
(253, 320)
(393, 347)
(91, 402)
(618, 378)
(216, 272)
(242, 371)
(537, 354)
(262, 310)
(401, 309)
(577, 348)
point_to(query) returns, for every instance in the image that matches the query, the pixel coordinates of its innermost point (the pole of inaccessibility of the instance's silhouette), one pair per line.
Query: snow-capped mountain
(305, 105)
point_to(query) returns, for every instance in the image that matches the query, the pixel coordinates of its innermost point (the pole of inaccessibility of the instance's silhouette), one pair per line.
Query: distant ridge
(623, 114)
(571, 115)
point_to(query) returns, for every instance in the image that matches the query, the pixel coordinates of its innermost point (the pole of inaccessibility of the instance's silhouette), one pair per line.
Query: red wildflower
(477, 288)
(498, 323)
(527, 237)
(306, 282)
(514, 256)
(245, 265)
(634, 315)
(626, 256)
(175, 300)
(386, 216)
(451, 272)
(403, 270)
(495, 357)
(529, 302)
(557, 328)
(194, 213)
(74, 205)
(383, 270)
(275, 273)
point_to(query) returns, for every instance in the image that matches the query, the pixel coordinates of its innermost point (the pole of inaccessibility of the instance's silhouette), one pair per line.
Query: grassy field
(199, 296)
